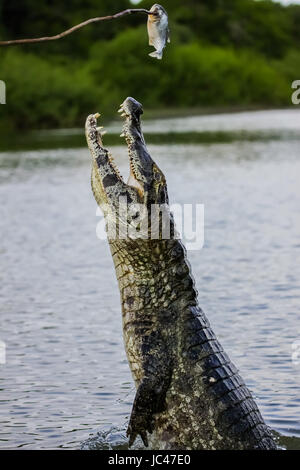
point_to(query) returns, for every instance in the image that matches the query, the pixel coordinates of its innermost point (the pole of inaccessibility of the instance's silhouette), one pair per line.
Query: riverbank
(174, 127)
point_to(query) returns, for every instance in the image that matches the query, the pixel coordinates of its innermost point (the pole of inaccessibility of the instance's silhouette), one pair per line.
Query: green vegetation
(223, 54)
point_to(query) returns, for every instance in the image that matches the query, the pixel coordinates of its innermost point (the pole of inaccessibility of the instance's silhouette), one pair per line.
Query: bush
(56, 92)
(43, 94)
(190, 75)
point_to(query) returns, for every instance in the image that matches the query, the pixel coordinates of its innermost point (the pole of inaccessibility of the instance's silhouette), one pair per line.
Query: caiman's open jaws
(146, 183)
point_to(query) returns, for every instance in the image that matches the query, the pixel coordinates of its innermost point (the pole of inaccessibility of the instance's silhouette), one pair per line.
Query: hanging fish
(158, 30)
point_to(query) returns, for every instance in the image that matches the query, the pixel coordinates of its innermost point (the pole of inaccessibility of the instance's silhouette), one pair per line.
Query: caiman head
(146, 187)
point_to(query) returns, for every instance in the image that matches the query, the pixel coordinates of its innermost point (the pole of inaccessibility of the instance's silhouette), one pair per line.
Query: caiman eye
(157, 177)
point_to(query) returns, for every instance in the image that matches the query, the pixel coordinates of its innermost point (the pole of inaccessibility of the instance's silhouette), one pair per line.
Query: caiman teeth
(112, 162)
(122, 111)
(100, 131)
(133, 168)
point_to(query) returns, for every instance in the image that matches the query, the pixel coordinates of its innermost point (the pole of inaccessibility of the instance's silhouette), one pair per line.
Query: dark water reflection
(66, 376)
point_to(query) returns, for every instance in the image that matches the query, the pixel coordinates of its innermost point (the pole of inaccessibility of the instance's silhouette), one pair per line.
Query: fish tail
(156, 54)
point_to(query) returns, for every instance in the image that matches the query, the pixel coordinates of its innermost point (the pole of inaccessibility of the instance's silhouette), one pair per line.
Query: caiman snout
(131, 108)
(146, 182)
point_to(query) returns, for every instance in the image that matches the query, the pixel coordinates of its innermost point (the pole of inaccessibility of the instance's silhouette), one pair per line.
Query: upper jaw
(131, 109)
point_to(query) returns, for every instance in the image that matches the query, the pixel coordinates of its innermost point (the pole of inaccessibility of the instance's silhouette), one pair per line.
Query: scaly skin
(189, 394)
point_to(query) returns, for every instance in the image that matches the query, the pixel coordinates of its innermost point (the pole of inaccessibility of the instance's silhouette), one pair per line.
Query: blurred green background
(224, 54)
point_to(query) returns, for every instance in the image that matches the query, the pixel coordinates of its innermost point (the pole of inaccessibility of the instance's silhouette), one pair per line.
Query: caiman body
(189, 394)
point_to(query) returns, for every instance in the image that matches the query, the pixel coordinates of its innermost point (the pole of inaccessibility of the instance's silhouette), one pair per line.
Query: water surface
(66, 381)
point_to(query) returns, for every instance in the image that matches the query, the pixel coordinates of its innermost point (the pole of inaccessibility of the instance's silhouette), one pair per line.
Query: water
(286, 120)
(66, 382)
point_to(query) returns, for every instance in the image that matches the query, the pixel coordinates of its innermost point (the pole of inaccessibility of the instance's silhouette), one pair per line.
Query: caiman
(189, 394)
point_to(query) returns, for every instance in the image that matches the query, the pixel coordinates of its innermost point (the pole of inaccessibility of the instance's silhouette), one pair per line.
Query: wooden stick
(74, 28)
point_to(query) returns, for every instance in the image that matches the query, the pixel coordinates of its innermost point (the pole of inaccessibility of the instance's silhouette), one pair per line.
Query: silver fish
(158, 30)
